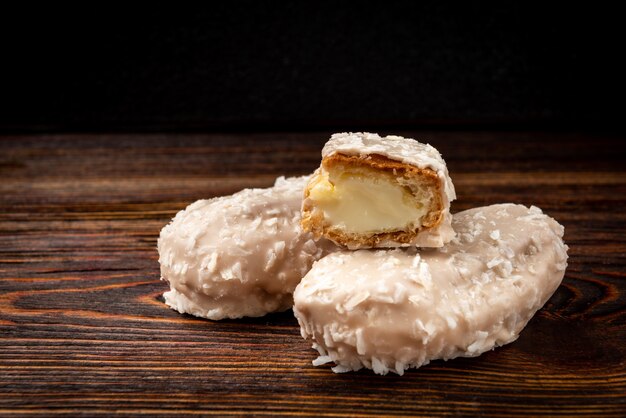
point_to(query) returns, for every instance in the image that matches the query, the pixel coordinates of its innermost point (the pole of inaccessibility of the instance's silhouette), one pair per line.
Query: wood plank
(83, 329)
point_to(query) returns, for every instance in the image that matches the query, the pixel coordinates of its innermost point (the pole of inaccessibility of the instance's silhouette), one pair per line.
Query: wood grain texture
(84, 331)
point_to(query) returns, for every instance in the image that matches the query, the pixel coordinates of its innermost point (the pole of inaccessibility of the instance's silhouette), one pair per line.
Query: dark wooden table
(83, 329)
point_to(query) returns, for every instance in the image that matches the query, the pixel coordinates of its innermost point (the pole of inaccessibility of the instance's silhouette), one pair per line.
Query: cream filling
(359, 204)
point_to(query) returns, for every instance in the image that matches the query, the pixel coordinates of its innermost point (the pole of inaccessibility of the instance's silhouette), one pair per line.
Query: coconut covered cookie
(239, 255)
(389, 310)
(373, 191)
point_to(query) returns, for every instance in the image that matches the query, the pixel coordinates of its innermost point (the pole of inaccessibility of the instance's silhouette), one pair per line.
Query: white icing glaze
(407, 151)
(389, 310)
(239, 255)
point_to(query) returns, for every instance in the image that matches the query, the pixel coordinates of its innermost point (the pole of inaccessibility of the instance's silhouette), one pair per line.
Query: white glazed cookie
(373, 192)
(389, 310)
(239, 255)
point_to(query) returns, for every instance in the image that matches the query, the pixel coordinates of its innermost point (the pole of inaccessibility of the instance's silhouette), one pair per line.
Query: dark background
(311, 65)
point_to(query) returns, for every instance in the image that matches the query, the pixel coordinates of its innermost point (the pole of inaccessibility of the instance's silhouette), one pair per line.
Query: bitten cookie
(373, 191)
(389, 310)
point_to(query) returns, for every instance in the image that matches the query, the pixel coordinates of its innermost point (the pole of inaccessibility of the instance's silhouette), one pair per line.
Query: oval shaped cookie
(389, 310)
(238, 255)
